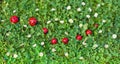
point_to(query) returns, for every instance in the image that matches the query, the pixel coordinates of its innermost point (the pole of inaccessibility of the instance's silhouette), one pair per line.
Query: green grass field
(21, 43)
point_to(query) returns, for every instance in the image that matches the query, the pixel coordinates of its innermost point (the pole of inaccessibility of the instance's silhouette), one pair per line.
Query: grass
(18, 43)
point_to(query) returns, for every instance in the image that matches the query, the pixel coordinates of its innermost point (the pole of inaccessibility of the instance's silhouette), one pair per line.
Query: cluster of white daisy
(14, 55)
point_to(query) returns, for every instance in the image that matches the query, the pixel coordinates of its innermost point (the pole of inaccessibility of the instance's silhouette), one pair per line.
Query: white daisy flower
(34, 45)
(83, 3)
(41, 54)
(100, 31)
(66, 33)
(80, 25)
(53, 49)
(95, 46)
(25, 26)
(78, 9)
(90, 9)
(53, 9)
(66, 54)
(68, 7)
(37, 9)
(56, 19)
(42, 43)
(81, 58)
(96, 15)
(62, 21)
(88, 16)
(8, 53)
(29, 35)
(103, 21)
(15, 56)
(106, 45)
(14, 11)
(70, 20)
(114, 36)
(98, 5)
(48, 22)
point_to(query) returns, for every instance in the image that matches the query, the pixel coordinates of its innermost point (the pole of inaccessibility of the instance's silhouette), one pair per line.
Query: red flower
(45, 30)
(79, 37)
(65, 40)
(88, 32)
(14, 19)
(32, 21)
(54, 41)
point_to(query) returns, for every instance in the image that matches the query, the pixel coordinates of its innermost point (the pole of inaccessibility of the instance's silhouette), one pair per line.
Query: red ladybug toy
(32, 21)
(14, 19)
(65, 40)
(54, 41)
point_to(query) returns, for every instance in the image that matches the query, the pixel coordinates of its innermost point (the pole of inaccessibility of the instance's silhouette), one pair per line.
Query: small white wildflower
(100, 31)
(53, 49)
(66, 33)
(56, 19)
(96, 15)
(61, 21)
(98, 5)
(70, 20)
(25, 26)
(114, 36)
(48, 22)
(102, 4)
(68, 7)
(14, 11)
(41, 54)
(66, 54)
(81, 58)
(84, 43)
(80, 25)
(8, 53)
(103, 21)
(2, 20)
(53, 9)
(37, 9)
(78, 9)
(88, 16)
(83, 3)
(34, 45)
(7, 34)
(106, 45)
(95, 46)
(15, 56)
(29, 35)
(42, 43)
(90, 9)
